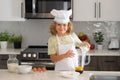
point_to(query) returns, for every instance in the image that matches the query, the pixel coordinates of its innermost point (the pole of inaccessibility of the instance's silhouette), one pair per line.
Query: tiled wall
(36, 32)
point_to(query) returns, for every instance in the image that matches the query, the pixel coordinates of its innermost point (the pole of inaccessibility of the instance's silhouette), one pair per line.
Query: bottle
(12, 63)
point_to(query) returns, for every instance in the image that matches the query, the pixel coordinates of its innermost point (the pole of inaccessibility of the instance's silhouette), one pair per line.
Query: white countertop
(10, 51)
(50, 75)
(103, 52)
(92, 52)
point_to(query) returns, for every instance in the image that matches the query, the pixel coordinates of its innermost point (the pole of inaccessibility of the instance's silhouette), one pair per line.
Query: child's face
(61, 28)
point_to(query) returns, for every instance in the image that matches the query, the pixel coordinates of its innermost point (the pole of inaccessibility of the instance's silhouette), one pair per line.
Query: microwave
(40, 9)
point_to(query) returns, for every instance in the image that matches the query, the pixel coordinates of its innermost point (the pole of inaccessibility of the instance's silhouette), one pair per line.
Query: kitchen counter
(10, 51)
(102, 52)
(91, 53)
(50, 75)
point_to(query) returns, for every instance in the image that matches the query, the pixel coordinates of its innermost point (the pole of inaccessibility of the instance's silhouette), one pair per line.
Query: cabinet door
(84, 10)
(109, 10)
(11, 10)
(96, 10)
(107, 63)
(3, 61)
(17, 7)
(118, 62)
(93, 65)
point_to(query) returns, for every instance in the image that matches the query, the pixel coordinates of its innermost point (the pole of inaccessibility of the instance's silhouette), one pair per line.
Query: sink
(104, 77)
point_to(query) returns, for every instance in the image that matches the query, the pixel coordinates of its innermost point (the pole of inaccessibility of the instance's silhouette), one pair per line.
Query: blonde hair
(53, 28)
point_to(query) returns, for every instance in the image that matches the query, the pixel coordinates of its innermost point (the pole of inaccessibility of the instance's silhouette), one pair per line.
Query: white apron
(67, 63)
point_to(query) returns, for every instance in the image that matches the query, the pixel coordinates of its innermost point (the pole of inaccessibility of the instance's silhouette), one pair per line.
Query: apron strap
(58, 40)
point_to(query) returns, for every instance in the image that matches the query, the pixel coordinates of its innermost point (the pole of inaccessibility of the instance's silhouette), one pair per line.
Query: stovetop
(38, 48)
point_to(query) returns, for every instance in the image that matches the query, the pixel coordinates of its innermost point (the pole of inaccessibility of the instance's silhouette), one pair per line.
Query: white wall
(36, 32)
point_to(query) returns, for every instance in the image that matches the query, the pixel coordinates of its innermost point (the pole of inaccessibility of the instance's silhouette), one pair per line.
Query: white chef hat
(61, 16)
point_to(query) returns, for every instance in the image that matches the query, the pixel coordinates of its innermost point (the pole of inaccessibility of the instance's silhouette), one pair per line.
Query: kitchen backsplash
(36, 32)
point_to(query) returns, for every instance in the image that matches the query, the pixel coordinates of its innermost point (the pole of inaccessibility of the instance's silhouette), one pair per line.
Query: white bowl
(69, 74)
(24, 69)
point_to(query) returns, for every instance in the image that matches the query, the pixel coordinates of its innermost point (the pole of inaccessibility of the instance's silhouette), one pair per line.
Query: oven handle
(42, 63)
(48, 63)
(27, 63)
(34, 6)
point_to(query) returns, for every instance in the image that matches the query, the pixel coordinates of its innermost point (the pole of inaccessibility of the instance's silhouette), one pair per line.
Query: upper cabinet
(96, 10)
(12, 10)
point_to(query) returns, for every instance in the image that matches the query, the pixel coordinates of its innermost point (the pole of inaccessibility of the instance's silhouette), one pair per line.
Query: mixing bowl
(24, 69)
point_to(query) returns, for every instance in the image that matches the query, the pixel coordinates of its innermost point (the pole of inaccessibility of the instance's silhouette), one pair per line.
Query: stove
(36, 55)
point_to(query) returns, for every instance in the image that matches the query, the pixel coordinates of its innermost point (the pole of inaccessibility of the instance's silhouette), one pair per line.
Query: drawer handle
(109, 61)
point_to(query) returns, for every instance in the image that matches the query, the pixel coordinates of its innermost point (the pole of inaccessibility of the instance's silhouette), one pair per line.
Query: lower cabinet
(3, 61)
(108, 63)
(104, 63)
(93, 64)
(118, 61)
(97, 63)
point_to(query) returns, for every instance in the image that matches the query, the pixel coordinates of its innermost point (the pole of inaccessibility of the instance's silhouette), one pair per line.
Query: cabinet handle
(22, 10)
(109, 61)
(34, 7)
(95, 10)
(99, 9)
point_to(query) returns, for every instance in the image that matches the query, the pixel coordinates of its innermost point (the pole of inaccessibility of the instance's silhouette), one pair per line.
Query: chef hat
(61, 16)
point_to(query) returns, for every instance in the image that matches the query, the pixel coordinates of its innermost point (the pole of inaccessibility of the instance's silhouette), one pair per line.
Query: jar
(12, 63)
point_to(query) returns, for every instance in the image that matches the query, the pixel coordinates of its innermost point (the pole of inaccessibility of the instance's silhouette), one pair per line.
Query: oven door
(49, 65)
(41, 8)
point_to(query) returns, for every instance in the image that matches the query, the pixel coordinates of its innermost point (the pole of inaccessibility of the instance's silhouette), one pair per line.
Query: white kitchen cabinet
(96, 10)
(12, 10)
